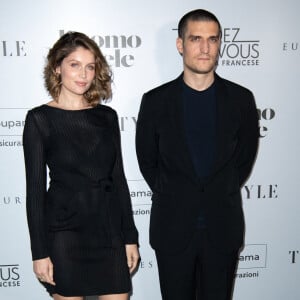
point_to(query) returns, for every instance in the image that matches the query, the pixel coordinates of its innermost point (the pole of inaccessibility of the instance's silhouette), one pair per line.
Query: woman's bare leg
(59, 297)
(114, 297)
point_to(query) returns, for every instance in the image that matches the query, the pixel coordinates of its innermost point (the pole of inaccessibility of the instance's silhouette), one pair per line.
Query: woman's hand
(133, 256)
(43, 269)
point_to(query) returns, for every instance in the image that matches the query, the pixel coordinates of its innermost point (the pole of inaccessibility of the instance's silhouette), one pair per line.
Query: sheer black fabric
(84, 218)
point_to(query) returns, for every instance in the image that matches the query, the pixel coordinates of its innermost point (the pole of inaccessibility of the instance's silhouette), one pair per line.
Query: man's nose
(204, 46)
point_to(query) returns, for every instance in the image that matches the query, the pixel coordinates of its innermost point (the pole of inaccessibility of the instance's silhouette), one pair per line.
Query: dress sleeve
(35, 167)
(128, 227)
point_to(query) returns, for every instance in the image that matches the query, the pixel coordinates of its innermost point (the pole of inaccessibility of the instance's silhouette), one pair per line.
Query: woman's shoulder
(106, 108)
(37, 110)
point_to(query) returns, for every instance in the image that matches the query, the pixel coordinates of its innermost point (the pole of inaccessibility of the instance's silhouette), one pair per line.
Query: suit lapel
(226, 118)
(220, 119)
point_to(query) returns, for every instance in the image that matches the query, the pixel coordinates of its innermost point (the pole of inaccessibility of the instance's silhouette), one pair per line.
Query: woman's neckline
(70, 110)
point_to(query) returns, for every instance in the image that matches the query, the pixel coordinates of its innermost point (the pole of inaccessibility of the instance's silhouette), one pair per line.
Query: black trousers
(199, 272)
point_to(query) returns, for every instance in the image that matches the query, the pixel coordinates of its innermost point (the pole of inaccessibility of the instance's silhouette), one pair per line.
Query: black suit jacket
(165, 162)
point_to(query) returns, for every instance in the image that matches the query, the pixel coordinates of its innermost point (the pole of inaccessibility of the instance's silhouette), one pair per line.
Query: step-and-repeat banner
(260, 50)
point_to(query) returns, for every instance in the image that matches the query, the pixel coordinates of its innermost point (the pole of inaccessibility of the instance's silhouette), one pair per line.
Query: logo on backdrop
(119, 50)
(141, 198)
(9, 276)
(12, 124)
(148, 261)
(11, 127)
(141, 212)
(6, 201)
(127, 123)
(141, 201)
(238, 50)
(146, 264)
(13, 48)
(11, 142)
(265, 115)
(294, 256)
(259, 191)
(251, 260)
(290, 46)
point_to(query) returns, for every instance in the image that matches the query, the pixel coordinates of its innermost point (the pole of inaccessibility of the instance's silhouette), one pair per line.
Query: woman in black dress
(83, 237)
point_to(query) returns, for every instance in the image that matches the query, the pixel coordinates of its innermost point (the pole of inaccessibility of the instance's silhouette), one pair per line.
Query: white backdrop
(260, 50)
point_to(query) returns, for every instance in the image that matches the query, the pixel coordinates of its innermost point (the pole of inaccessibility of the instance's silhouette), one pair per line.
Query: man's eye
(213, 40)
(195, 38)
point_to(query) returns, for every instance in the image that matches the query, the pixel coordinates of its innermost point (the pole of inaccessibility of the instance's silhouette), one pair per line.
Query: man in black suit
(196, 142)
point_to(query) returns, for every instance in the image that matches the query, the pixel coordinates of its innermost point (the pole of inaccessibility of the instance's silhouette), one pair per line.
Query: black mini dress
(83, 218)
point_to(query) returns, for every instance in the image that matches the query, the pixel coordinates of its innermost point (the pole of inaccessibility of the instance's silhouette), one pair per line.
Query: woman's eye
(91, 68)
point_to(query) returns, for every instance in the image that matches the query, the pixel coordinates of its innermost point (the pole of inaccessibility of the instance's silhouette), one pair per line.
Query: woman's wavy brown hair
(68, 43)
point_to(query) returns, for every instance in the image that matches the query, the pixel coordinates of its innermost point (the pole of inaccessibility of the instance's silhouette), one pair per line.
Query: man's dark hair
(196, 15)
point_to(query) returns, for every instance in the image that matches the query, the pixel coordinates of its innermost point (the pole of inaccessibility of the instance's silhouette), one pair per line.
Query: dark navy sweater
(200, 128)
